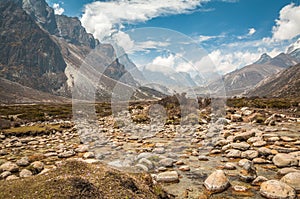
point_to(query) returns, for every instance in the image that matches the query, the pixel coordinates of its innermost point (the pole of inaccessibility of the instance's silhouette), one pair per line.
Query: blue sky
(234, 32)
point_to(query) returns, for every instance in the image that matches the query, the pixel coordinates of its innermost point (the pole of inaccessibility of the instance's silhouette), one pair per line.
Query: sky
(234, 33)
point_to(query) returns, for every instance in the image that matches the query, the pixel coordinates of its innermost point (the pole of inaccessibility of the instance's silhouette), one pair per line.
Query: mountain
(44, 52)
(12, 92)
(284, 84)
(167, 78)
(29, 56)
(241, 80)
(264, 58)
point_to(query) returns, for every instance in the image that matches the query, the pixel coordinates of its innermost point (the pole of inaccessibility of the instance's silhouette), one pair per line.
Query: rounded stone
(168, 176)
(284, 160)
(25, 173)
(217, 182)
(277, 190)
(9, 166)
(250, 154)
(292, 179)
(37, 166)
(24, 161)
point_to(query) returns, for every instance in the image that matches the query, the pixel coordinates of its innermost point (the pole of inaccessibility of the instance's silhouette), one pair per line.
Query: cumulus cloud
(251, 31)
(58, 10)
(287, 26)
(104, 18)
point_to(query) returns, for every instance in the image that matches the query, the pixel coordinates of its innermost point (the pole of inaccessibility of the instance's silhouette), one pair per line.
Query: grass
(80, 180)
(31, 130)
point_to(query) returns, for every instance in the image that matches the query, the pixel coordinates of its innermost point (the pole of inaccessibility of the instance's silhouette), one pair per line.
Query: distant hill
(241, 80)
(284, 84)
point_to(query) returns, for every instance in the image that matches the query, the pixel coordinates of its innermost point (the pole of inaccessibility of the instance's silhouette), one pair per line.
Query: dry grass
(79, 180)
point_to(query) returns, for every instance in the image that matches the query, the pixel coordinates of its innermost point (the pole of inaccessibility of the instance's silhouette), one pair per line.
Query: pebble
(167, 162)
(250, 154)
(5, 174)
(292, 179)
(233, 153)
(259, 143)
(25, 173)
(66, 154)
(203, 158)
(9, 166)
(184, 168)
(243, 146)
(217, 182)
(12, 177)
(24, 161)
(89, 155)
(239, 188)
(168, 176)
(229, 166)
(285, 171)
(147, 163)
(277, 190)
(259, 180)
(284, 160)
(244, 136)
(37, 167)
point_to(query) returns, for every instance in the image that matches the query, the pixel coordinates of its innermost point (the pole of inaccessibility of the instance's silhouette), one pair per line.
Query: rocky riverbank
(250, 153)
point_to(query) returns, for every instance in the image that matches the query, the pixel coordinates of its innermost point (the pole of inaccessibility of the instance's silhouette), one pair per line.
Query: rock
(217, 182)
(243, 146)
(203, 158)
(50, 154)
(66, 154)
(168, 176)
(3, 152)
(184, 168)
(160, 150)
(36, 167)
(265, 151)
(82, 149)
(147, 163)
(24, 161)
(239, 188)
(285, 171)
(260, 161)
(284, 160)
(89, 155)
(25, 173)
(229, 166)
(259, 143)
(5, 174)
(236, 118)
(277, 190)
(242, 162)
(287, 139)
(259, 180)
(167, 162)
(248, 173)
(142, 167)
(9, 166)
(12, 177)
(233, 153)
(244, 136)
(292, 179)
(250, 154)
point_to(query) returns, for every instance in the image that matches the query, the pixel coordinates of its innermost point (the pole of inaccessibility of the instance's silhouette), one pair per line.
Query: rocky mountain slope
(241, 80)
(43, 51)
(12, 92)
(284, 84)
(28, 54)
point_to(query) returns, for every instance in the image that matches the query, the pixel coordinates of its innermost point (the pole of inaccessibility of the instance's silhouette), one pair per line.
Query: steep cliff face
(71, 30)
(41, 13)
(28, 54)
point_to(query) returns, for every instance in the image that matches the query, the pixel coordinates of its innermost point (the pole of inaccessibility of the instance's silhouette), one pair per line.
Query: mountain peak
(264, 58)
(293, 47)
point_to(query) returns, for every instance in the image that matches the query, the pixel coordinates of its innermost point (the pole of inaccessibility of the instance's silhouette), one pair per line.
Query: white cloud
(104, 18)
(251, 31)
(58, 10)
(203, 38)
(287, 26)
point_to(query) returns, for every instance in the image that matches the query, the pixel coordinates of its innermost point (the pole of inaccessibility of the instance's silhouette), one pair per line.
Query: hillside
(283, 84)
